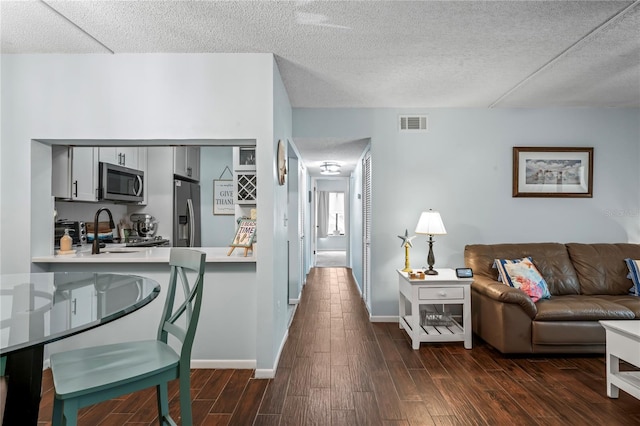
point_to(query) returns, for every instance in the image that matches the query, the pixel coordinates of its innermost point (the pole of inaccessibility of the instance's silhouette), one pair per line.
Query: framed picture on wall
(223, 197)
(552, 172)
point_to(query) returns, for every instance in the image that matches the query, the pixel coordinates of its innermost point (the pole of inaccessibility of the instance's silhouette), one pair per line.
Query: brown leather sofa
(587, 282)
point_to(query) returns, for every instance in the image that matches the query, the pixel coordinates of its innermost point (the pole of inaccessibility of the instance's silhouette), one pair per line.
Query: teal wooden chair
(87, 376)
(3, 387)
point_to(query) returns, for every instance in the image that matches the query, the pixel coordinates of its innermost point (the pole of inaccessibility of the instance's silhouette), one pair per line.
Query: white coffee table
(623, 343)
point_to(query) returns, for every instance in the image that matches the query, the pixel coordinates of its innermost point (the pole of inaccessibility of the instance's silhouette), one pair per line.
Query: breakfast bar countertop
(118, 253)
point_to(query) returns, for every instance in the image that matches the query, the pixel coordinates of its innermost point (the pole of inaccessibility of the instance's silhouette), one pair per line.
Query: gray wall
(463, 168)
(273, 299)
(142, 97)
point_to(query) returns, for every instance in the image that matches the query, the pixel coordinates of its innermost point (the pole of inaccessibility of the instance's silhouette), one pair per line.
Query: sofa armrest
(503, 293)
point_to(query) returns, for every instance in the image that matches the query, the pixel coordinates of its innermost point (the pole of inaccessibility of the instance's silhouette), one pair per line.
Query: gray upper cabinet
(75, 173)
(186, 162)
(121, 156)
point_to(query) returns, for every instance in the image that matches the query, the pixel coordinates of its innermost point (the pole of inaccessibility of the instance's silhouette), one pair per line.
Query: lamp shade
(430, 223)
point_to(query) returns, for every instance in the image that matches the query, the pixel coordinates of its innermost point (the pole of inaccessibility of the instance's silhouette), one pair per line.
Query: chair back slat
(186, 306)
(178, 332)
(188, 293)
(181, 262)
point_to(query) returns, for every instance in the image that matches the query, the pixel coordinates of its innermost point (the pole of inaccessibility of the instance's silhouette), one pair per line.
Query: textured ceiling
(345, 152)
(416, 54)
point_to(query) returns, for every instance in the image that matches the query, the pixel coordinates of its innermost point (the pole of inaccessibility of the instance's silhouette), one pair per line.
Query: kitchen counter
(230, 291)
(118, 253)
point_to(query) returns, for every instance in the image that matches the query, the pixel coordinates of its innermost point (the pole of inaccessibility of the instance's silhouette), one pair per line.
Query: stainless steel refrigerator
(186, 214)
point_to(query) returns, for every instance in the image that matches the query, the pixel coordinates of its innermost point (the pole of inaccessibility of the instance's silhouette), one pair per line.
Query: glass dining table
(40, 308)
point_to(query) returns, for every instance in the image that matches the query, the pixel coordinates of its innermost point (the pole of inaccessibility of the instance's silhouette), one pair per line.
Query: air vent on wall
(413, 123)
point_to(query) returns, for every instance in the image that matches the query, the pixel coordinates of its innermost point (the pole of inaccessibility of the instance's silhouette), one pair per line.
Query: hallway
(331, 259)
(327, 359)
(337, 368)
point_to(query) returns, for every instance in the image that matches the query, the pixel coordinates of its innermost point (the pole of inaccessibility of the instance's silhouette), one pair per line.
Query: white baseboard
(380, 318)
(270, 373)
(239, 364)
(357, 283)
(294, 301)
(264, 373)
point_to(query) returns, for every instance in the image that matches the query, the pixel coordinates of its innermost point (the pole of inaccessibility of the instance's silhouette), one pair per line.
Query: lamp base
(431, 259)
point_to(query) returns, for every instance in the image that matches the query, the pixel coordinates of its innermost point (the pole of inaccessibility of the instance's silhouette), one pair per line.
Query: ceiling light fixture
(330, 168)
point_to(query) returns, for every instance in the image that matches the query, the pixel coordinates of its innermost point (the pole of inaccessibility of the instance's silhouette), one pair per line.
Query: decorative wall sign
(244, 236)
(223, 197)
(552, 172)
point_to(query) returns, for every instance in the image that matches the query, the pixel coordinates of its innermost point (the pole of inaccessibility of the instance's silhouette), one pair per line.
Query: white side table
(623, 342)
(443, 289)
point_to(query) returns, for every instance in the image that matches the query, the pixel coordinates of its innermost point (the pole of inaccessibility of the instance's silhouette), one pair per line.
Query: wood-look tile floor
(337, 368)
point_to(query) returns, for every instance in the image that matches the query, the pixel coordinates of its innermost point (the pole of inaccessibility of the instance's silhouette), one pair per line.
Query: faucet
(96, 244)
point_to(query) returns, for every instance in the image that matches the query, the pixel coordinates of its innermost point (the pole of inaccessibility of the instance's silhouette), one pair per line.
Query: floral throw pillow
(525, 276)
(634, 275)
(502, 275)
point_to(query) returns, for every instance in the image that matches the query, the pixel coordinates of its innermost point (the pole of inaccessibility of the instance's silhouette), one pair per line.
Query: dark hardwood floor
(337, 368)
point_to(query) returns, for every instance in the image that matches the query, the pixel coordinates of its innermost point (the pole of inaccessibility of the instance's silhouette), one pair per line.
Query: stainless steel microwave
(121, 184)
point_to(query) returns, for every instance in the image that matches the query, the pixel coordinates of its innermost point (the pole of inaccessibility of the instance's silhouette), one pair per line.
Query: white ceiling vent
(413, 123)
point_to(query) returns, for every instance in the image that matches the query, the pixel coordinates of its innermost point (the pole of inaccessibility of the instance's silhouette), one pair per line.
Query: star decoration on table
(406, 239)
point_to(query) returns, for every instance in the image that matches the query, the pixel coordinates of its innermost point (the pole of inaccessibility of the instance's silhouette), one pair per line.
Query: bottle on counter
(66, 241)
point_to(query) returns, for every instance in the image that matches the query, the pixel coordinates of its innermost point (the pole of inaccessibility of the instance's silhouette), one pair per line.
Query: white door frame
(347, 214)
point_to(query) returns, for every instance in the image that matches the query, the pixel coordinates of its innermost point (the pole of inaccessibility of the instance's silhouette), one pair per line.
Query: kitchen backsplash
(85, 212)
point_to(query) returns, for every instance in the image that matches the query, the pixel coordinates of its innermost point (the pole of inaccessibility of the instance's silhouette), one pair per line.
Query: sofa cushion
(630, 302)
(581, 308)
(634, 276)
(572, 336)
(551, 259)
(601, 268)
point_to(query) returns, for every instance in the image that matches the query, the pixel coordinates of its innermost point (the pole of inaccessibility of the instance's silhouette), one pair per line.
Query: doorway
(331, 258)
(331, 222)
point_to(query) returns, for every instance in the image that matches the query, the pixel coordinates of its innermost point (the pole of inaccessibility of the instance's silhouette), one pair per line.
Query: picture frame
(560, 172)
(223, 202)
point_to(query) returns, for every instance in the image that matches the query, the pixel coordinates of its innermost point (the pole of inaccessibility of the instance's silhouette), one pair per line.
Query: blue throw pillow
(634, 275)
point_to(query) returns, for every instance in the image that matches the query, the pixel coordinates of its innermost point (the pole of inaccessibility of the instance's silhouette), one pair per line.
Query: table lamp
(430, 223)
